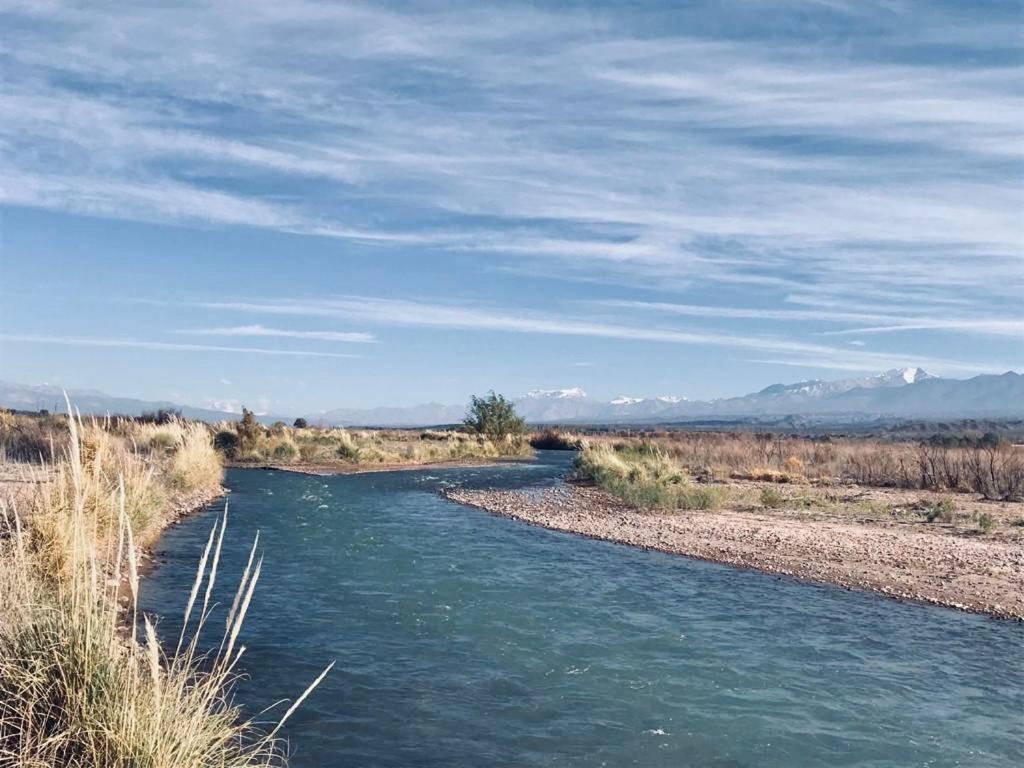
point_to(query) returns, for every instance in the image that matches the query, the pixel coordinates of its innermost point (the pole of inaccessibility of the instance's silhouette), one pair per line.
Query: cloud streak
(357, 337)
(162, 346)
(831, 169)
(694, 156)
(420, 314)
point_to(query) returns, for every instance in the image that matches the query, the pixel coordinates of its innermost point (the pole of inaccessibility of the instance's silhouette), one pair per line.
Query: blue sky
(305, 205)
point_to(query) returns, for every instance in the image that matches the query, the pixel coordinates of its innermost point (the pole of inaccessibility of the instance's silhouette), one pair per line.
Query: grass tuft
(79, 687)
(644, 476)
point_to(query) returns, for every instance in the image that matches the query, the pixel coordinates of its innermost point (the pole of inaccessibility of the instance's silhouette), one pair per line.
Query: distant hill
(902, 393)
(90, 401)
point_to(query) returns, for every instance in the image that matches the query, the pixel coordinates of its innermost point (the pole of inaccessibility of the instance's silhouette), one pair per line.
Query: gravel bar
(973, 573)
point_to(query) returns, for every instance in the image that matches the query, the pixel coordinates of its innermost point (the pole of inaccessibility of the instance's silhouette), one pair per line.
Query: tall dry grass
(31, 437)
(85, 683)
(329, 445)
(992, 468)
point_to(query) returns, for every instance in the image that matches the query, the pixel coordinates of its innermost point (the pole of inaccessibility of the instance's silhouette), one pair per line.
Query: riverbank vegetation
(492, 430)
(84, 680)
(645, 477)
(555, 440)
(985, 465)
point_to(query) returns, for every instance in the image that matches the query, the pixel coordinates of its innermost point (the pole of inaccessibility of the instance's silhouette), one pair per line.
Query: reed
(982, 464)
(84, 680)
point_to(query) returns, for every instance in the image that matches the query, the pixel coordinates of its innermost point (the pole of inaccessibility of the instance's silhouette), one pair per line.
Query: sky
(307, 205)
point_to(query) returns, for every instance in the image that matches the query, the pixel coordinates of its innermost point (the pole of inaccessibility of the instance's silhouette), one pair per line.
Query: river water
(464, 639)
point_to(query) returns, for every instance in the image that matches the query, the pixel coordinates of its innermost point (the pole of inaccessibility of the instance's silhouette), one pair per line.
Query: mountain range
(908, 393)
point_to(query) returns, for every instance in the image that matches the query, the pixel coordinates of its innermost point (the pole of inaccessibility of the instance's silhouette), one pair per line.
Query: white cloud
(387, 311)
(877, 191)
(262, 331)
(1012, 327)
(607, 151)
(85, 341)
(899, 318)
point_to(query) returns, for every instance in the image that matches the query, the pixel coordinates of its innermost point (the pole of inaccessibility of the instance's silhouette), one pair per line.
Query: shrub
(300, 423)
(944, 510)
(986, 522)
(285, 451)
(309, 451)
(249, 432)
(434, 434)
(644, 476)
(772, 499)
(347, 448)
(35, 438)
(161, 416)
(226, 442)
(700, 497)
(495, 417)
(553, 440)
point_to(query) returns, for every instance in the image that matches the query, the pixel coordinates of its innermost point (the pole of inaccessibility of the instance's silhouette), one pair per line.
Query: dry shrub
(34, 438)
(772, 499)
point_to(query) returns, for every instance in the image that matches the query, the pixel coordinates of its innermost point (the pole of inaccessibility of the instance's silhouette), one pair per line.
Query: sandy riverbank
(928, 562)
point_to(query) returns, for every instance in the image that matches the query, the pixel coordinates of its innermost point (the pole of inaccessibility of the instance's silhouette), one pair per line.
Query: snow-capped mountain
(899, 393)
(626, 400)
(555, 394)
(670, 399)
(817, 388)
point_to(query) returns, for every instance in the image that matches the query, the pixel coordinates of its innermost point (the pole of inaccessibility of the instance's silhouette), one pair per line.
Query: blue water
(464, 639)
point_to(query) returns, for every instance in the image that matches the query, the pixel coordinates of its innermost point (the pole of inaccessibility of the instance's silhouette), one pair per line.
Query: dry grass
(84, 683)
(992, 468)
(325, 446)
(32, 438)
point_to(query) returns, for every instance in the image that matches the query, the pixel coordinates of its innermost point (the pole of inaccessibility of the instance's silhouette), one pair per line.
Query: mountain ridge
(897, 393)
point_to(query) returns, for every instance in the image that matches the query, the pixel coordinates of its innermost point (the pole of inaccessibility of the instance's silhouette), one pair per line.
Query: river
(464, 639)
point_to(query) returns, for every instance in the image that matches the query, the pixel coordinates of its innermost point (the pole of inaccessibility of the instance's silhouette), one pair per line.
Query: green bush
(944, 510)
(772, 499)
(285, 451)
(986, 522)
(249, 431)
(700, 497)
(644, 477)
(226, 442)
(348, 451)
(553, 440)
(495, 417)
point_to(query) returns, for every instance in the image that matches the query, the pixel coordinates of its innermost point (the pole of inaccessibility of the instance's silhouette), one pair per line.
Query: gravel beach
(903, 559)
